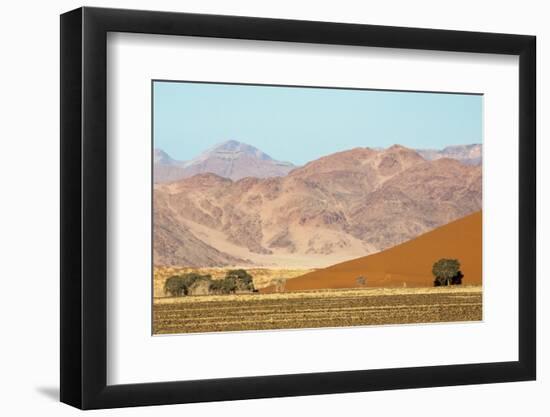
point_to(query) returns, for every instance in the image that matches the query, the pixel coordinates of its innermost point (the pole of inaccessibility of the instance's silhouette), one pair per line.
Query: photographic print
(288, 207)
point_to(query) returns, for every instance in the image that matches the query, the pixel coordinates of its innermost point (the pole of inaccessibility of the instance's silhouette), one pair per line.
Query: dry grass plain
(313, 309)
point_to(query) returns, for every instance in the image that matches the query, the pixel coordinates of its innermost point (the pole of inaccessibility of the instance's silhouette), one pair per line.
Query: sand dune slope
(407, 264)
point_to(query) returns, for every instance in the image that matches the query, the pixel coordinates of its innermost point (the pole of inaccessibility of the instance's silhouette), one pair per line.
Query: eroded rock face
(354, 202)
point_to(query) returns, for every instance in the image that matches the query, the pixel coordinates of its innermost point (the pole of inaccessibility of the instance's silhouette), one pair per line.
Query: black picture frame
(84, 207)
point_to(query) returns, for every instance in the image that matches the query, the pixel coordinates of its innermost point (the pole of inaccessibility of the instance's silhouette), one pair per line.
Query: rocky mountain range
(467, 154)
(230, 159)
(236, 160)
(341, 206)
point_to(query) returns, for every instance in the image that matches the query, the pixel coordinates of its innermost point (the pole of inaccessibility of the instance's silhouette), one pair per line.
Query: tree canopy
(242, 278)
(444, 270)
(234, 280)
(178, 285)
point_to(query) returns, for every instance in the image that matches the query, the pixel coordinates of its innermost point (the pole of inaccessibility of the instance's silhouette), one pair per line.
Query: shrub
(457, 279)
(279, 284)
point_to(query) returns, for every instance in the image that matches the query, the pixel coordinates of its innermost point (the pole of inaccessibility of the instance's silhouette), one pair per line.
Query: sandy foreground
(314, 309)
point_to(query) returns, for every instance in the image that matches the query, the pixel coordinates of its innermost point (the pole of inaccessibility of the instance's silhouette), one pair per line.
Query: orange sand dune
(408, 264)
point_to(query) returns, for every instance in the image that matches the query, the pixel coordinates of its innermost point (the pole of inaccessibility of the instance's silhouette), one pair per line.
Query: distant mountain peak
(401, 151)
(467, 154)
(161, 157)
(230, 159)
(397, 147)
(232, 144)
(235, 147)
(470, 146)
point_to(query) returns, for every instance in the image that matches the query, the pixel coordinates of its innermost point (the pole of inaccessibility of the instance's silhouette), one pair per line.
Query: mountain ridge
(467, 154)
(236, 160)
(343, 205)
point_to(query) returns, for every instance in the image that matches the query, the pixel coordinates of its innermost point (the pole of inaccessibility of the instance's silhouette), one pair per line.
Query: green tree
(178, 285)
(175, 286)
(444, 270)
(226, 285)
(229, 285)
(243, 280)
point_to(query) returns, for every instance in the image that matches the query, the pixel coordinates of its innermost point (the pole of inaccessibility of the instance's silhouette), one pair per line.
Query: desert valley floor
(346, 239)
(398, 289)
(313, 309)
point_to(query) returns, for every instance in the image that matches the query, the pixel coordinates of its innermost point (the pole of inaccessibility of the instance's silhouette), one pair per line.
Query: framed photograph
(257, 208)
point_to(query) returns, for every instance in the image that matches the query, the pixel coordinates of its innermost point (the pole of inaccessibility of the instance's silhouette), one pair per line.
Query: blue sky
(302, 124)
